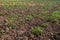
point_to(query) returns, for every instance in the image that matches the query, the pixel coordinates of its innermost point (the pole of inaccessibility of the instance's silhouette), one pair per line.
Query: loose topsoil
(24, 31)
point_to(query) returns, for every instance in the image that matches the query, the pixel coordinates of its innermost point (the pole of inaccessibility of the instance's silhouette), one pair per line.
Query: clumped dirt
(24, 31)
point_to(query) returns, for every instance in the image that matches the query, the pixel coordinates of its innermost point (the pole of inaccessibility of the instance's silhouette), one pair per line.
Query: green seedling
(29, 17)
(5, 6)
(45, 17)
(10, 27)
(55, 21)
(36, 31)
(14, 16)
(45, 12)
(35, 15)
(55, 15)
(1, 14)
(45, 25)
(11, 19)
(21, 21)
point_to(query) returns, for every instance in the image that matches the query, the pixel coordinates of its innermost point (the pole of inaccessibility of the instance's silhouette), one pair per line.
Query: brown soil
(24, 32)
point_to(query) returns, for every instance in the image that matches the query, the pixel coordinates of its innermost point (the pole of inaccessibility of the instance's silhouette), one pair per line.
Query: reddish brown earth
(24, 32)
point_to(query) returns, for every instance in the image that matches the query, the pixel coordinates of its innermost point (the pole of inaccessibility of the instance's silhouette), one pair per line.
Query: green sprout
(45, 25)
(1, 14)
(21, 21)
(55, 15)
(45, 15)
(11, 19)
(55, 21)
(35, 15)
(36, 31)
(5, 6)
(10, 27)
(45, 12)
(28, 17)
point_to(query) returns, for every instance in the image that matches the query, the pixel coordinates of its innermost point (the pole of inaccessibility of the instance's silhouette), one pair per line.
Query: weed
(29, 17)
(36, 31)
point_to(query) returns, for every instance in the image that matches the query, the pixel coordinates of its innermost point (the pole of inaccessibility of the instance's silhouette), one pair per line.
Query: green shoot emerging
(36, 31)
(29, 17)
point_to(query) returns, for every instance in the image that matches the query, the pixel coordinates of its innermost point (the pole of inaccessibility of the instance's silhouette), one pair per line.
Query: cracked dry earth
(24, 31)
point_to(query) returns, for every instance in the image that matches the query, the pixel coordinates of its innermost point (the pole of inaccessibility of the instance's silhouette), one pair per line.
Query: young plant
(10, 27)
(36, 31)
(35, 15)
(45, 15)
(5, 6)
(11, 19)
(55, 15)
(45, 12)
(45, 25)
(29, 17)
(14, 16)
(55, 21)
(21, 21)
(1, 14)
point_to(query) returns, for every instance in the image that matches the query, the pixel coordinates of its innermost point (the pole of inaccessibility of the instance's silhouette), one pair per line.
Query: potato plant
(21, 21)
(1, 13)
(36, 31)
(10, 27)
(29, 17)
(11, 19)
(54, 17)
(5, 6)
(35, 15)
(45, 25)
